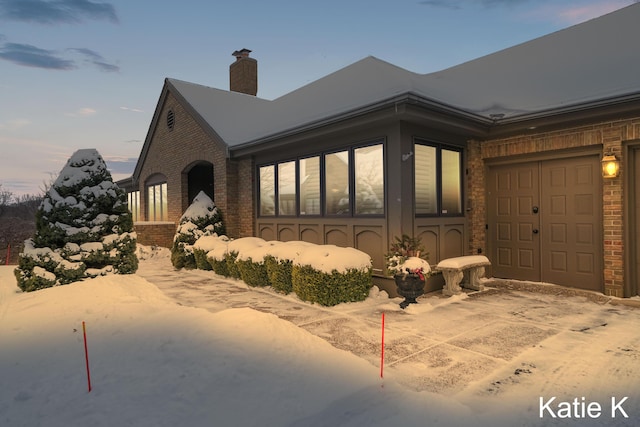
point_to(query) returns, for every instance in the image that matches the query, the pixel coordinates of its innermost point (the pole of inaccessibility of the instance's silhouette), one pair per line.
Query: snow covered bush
(203, 246)
(83, 228)
(331, 275)
(233, 250)
(279, 264)
(217, 257)
(251, 263)
(201, 218)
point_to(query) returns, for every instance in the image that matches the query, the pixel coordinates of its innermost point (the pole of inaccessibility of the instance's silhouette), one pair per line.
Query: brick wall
(246, 198)
(155, 233)
(174, 152)
(609, 135)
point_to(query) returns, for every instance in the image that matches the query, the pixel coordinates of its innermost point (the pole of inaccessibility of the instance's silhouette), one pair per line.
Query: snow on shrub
(325, 274)
(83, 228)
(330, 275)
(279, 263)
(201, 218)
(203, 246)
(217, 257)
(251, 263)
(234, 248)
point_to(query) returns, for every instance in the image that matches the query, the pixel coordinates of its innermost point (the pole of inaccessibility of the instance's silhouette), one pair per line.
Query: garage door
(545, 222)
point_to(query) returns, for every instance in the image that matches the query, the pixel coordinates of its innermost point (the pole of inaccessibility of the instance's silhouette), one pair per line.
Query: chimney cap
(242, 53)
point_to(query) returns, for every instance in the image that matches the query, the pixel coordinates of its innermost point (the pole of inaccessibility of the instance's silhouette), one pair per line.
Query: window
(348, 182)
(157, 205)
(133, 200)
(267, 191)
(309, 179)
(438, 180)
(287, 188)
(369, 180)
(336, 177)
(451, 182)
(425, 177)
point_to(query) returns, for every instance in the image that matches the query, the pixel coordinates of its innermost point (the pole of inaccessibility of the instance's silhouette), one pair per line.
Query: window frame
(157, 180)
(351, 176)
(439, 181)
(133, 203)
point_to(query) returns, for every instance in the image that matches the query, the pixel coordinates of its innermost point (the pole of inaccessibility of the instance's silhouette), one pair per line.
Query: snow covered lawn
(158, 363)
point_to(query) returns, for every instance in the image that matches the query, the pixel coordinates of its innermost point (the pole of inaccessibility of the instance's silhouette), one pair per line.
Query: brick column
(476, 201)
(612, 205)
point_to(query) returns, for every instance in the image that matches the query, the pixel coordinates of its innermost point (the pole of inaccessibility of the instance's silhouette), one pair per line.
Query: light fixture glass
(610, 166)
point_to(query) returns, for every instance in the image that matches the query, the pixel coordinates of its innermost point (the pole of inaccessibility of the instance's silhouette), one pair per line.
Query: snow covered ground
(158, 363)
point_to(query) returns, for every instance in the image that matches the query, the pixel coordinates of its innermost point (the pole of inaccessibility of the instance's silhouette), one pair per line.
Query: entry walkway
(474, 345)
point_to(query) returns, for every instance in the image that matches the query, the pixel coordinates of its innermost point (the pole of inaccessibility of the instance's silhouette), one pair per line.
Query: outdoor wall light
(610, 166)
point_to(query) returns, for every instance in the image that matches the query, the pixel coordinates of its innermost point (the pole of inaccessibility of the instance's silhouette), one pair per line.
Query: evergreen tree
(83, 228)
(202, 218)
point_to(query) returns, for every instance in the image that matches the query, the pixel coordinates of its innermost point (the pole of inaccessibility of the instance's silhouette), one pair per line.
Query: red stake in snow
(86, 355)
(382, 349)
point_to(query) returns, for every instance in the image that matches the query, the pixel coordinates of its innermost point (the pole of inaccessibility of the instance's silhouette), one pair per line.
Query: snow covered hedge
(331, 275)
(201, 218)
(325, 274)
(83, 228)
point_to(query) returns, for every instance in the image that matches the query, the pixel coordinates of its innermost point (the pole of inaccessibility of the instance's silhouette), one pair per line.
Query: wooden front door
(545, 222)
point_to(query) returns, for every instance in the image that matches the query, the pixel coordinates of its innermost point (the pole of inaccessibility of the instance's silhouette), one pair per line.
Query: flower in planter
(406, 256)
(415, 265)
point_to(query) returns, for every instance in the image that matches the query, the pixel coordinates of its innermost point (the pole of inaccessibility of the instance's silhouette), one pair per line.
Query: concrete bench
(455, 269)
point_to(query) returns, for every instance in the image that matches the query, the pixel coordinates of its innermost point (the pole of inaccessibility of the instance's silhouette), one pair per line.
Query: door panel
(513, 193)
(571, 223)
(545, 222)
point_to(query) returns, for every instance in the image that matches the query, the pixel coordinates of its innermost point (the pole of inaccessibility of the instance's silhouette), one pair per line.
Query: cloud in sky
(120, 165)
(135, 110)
(93, 57)
(32, 56)
(82, 112)
(459, 4)
(574, 14)
(14, 124)
(56, 11)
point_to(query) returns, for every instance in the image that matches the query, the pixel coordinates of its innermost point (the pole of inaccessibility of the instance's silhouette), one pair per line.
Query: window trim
(439, 147)
(321, 155)
(156, 180)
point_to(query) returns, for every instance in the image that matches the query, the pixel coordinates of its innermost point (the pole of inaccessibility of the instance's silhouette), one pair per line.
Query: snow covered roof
(593, 63)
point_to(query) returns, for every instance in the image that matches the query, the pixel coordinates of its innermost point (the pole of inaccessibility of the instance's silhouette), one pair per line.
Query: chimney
(243, 73)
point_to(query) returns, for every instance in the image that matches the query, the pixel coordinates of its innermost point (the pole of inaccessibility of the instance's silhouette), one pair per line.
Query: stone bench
(455, 269)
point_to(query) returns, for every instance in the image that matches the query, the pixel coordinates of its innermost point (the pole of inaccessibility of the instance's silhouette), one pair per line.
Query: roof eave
(621, 106)
(444, 113)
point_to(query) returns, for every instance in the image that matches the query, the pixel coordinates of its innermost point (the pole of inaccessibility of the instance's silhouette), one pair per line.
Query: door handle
(536, 231)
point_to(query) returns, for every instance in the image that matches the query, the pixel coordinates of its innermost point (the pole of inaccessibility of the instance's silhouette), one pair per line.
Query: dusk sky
(86, 74)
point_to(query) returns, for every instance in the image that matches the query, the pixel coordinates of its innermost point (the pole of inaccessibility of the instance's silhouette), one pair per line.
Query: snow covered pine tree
(83, 228)
(202, 218)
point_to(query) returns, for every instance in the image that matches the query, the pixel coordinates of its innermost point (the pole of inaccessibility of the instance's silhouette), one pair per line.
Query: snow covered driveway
(231, 355)
(500, 349)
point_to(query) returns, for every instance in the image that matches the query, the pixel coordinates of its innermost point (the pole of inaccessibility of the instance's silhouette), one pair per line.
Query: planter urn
(410, 286)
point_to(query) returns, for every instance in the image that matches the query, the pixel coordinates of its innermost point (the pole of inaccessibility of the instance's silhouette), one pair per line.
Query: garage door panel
(571, 219)
(513, 193)
(562, 242)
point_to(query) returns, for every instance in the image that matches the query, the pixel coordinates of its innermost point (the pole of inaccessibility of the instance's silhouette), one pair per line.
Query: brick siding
(174, 152)
(609, 135)
(155, 233)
